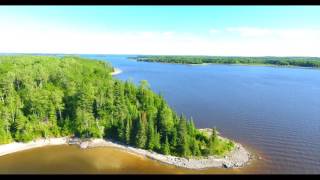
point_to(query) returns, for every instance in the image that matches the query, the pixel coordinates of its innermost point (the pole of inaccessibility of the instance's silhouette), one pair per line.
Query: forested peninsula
(313, 62)
(51, 97)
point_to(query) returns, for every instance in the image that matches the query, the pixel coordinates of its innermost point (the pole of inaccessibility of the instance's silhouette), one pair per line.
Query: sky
(162, 30)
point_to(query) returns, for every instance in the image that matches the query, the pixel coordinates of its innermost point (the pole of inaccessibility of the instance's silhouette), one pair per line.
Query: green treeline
(42, 96)
(281, 61)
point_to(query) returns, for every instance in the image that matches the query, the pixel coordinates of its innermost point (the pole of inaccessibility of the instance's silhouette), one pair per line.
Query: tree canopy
(47, 96)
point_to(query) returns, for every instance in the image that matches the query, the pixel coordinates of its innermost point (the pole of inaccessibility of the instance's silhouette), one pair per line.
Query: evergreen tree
(165, 121)
(141, 132)
(157, 143)
(212, 141)
(5, 135)
(151, 135)
(127, 132)
(121, 130)
(183, 146)
(166, 147)
(191, 127)
(174, 138)
(195, 148)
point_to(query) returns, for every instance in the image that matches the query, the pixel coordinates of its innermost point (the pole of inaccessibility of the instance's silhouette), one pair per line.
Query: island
(313, 62)
(49, 100)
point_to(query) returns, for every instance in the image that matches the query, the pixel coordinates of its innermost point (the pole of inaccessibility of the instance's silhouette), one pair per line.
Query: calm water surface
(272, 110)
(71, 159)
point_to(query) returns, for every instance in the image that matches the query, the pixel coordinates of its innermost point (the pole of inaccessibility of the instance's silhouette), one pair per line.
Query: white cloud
(275, 33)
(241, 41)
(213, 31)
(168, 33)
(277, 42)
(250, 32)
(38, 38)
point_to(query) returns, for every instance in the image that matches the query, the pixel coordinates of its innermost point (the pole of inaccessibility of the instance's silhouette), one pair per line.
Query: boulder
(227, 165)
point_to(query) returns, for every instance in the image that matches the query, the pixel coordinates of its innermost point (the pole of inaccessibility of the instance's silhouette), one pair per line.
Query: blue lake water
(275, 111)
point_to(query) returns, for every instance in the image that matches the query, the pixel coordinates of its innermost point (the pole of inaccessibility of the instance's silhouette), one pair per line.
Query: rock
(237, 165)
(227, 165)
(84, 145)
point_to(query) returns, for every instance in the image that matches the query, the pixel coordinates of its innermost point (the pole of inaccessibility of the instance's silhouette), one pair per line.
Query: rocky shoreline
(238, 157)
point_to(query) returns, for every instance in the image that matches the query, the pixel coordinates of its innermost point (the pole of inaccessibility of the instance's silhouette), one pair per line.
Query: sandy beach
(18, 146)
(238, 157)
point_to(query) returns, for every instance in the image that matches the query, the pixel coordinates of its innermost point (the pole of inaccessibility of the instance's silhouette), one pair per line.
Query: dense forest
(281, 61)
(47, 96)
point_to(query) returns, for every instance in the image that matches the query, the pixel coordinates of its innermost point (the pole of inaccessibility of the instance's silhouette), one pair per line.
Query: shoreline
(116, 71)
(238, 157)
(236, 64)
(19, 146)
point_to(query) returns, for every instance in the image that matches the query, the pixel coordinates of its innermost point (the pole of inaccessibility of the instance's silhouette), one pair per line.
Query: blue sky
(194, 30)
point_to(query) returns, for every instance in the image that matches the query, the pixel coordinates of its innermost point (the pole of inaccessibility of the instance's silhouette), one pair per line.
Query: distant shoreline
(116, 71)
(238, 157)
(256, 65)
(313, 62)
(237, 64)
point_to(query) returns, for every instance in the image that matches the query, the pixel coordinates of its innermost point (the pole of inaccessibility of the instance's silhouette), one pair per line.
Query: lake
(273, 111)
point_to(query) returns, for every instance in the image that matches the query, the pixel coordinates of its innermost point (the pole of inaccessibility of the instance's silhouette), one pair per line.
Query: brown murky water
(67, 159)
